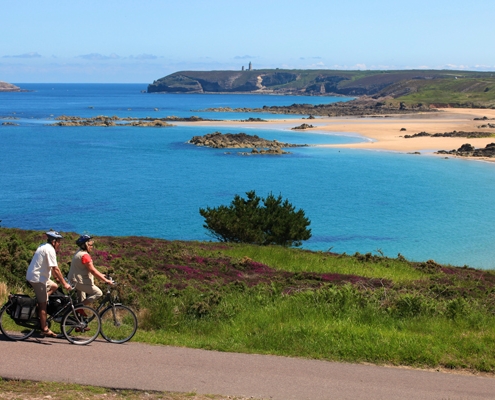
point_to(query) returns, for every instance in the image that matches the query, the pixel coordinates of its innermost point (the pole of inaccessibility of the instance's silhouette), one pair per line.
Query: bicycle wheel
(10, 329)
(118, 323)
(81, 325)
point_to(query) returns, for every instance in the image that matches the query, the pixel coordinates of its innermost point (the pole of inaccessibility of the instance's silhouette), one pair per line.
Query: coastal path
(174, 369)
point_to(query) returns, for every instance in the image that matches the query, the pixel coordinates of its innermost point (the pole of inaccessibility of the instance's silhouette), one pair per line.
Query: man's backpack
(22, 307)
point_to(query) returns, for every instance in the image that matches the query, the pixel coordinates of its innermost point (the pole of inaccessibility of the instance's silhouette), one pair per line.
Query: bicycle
(79, 324)
(118, 322)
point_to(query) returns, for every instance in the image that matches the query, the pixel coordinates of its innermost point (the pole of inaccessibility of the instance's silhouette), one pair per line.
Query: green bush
(14, 259)
(258, 221)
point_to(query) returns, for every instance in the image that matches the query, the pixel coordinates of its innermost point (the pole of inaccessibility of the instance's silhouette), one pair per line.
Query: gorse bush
(14, 259)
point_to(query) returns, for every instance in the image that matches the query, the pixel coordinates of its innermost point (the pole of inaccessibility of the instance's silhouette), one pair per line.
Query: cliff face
(376, 84)
(8, 87)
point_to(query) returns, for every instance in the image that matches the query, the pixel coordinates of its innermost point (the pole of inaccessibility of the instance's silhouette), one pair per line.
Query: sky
(139, 41)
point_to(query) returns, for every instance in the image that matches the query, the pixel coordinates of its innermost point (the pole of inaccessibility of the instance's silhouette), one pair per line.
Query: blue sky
(143, 40)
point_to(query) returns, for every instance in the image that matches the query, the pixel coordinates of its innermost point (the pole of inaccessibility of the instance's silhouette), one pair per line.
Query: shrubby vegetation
(286, 301)
(258, 221)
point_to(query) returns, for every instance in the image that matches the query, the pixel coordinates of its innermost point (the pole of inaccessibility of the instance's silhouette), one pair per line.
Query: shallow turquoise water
(151, 182)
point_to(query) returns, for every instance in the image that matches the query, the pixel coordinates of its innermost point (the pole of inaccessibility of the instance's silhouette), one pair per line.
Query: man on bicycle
(82, 272)
(40, 270)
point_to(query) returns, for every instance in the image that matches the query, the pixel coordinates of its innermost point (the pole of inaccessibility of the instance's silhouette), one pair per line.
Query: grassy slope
(270, 300)
(466, 91)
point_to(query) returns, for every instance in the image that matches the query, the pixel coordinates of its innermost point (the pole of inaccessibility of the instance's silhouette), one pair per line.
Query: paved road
(165, 368)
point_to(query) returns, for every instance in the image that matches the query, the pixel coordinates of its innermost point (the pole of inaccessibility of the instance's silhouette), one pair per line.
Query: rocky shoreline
(359, 107)
(8, 87)
(218, 140)
(467, 150)
(452, 134)
(105, 121)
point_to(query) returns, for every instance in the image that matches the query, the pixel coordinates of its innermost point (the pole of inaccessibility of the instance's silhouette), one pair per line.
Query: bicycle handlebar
(110, 278)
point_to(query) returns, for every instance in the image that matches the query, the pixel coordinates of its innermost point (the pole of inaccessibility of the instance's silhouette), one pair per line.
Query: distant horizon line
(80, 83)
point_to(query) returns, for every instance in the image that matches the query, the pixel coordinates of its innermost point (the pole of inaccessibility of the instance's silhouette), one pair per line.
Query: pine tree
(258, 221)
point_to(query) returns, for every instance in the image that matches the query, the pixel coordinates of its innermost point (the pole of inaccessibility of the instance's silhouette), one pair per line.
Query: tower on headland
(250, 66)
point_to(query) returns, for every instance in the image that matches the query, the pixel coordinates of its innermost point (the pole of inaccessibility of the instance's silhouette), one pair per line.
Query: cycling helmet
(82, 240)
(53, 235)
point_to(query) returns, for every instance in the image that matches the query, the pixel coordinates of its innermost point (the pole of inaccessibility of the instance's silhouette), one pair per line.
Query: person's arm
(91, 268)
(59, 277)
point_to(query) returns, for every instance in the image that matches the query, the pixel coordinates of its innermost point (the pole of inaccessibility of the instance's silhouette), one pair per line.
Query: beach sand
(384, 133)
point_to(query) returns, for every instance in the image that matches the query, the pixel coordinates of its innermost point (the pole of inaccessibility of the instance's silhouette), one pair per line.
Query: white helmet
(53, 235)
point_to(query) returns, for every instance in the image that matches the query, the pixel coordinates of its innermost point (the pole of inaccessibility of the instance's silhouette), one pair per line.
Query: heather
(293, 302)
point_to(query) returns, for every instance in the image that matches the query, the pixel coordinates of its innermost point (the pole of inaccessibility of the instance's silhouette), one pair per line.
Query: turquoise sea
(151, 182)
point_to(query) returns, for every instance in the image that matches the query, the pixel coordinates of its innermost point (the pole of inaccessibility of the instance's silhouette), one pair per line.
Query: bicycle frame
(107, 300)
(34, 322)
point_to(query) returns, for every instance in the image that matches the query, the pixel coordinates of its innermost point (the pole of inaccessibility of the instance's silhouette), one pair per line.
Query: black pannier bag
(56, 302)
(23, 307)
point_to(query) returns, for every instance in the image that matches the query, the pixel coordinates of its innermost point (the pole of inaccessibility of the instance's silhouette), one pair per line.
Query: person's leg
(51, 287)
(89, 293)
(40, 289)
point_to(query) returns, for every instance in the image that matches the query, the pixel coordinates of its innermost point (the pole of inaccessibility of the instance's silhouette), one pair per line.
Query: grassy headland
(391, 89)
(272, 300)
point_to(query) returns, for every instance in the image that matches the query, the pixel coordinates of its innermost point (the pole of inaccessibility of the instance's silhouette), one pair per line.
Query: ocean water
(151, 182)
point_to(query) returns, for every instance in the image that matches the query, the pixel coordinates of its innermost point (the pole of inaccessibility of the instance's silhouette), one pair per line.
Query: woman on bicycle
(82, 272)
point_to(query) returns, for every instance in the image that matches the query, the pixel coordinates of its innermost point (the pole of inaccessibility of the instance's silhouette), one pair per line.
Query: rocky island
(8, 87)
(241, 140)
(103, 120)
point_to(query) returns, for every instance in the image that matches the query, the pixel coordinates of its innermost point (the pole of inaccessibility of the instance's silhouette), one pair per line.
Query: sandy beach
(384, 133)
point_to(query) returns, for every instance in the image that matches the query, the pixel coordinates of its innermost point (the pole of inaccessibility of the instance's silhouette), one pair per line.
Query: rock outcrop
(8, 87)
(468, 150)
(364, 106)
(241, 140)
(103, 120)
(303, 126)
(452, 134)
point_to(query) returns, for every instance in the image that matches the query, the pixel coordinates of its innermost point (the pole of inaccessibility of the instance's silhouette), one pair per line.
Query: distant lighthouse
(250, 66)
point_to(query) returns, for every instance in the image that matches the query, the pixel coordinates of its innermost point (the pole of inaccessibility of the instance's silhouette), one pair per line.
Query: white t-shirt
(40, 268)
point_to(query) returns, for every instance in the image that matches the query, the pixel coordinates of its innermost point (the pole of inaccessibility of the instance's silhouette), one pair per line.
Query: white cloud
(25, 55)
(244, 57)
(99, 57)
(459, 67)
(144, 57)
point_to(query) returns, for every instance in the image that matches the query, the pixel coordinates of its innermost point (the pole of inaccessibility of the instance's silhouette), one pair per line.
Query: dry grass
(3, 292)
(17, 389)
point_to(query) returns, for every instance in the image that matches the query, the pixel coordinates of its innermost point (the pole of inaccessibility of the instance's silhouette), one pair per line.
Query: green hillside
(292, 302)
(457, 88)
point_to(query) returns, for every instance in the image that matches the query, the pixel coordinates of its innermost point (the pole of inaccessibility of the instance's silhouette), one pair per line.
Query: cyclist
(82, 272)
(42, 266)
